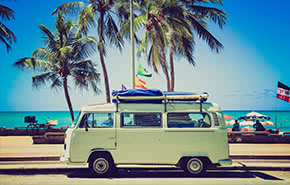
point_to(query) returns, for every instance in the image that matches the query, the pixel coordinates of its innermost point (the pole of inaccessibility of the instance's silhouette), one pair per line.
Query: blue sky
(243, 76)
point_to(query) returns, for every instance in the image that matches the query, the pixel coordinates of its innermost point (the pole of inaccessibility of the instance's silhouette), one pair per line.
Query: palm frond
(216, 15)
(205, 35)
(85, 75)
(49, 38)
(86, 20)
(6, 13)
(8, 47)
(112, 32)
(186, 48)
(139, 23)
(39, 80)
(56, 82)
(72, 8)
(192, 2)
(6, 36)
(144, 44)
(42, 53)
(84, 47)
(33, 63)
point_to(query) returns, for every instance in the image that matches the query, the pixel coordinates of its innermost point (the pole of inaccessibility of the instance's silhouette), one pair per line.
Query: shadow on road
(168, 174)
(133, 173)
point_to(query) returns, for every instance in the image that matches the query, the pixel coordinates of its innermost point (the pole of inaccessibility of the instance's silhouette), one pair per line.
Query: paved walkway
(21, 147)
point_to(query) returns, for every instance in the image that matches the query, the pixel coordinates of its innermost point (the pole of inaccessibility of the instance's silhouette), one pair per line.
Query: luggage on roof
(154, 96)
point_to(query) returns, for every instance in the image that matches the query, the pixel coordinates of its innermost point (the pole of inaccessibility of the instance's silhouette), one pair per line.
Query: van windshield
(76, 119)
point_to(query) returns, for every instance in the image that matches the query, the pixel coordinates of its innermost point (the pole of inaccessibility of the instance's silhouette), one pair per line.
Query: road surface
(125, 177)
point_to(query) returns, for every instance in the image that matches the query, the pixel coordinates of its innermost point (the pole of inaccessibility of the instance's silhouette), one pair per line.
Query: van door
(188, 134)
(139, 138)
(96, 131)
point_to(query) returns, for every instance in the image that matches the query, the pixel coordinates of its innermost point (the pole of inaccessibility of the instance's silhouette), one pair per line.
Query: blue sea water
(16, 119)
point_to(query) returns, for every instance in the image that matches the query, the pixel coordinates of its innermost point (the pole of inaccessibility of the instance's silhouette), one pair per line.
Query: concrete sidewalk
(18, 152)
(22, 147)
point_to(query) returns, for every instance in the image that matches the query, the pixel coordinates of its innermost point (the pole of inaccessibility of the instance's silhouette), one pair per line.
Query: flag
(140, 83)
(143, 72)
(283, 92)
(123, 87)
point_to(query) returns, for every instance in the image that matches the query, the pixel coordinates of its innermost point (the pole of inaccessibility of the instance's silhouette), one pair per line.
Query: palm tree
(170, 26)
(196, 16)
(64, 55)
(159, 19)
(101, 10)
(6, 35)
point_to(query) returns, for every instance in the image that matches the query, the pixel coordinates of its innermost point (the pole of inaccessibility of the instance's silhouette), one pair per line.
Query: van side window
(97, 120)
(188, 120)
(216, 119)
(141, 120)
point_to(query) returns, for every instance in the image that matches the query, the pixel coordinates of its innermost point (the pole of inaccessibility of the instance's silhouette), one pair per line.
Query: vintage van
(149, 128)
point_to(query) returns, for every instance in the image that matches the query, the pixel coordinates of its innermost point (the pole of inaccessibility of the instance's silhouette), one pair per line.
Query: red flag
(283, 92)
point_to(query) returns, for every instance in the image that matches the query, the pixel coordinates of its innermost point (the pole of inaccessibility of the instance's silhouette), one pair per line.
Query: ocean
(16, 119)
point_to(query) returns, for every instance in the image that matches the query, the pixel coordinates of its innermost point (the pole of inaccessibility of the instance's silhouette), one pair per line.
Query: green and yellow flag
(142, 71)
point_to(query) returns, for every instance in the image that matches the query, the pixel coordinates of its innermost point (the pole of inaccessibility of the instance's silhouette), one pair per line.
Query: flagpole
(132, 43)
(276, 112)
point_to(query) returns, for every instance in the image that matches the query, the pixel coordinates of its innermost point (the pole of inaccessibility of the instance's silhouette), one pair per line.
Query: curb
(51, 158)
(272, 157)
(56, 158)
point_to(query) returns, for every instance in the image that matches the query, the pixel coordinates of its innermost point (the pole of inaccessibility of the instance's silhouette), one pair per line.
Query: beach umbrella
(253, 116)
(228, 117)
(268, 123)
(247, 129)
(230, 122)
(247, 123)
(229, 129)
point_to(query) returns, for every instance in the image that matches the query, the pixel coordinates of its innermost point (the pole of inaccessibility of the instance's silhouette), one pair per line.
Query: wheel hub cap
(101, 165)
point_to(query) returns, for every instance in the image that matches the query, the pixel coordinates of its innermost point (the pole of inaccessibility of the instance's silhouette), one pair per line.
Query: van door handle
(111, 137)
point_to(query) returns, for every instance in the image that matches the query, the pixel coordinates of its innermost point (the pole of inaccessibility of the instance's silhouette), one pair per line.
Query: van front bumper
(225, 162)
(64, 159)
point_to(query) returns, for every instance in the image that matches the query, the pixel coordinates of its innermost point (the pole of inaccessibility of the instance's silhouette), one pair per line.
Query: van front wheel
(101, 166)
(194, 167)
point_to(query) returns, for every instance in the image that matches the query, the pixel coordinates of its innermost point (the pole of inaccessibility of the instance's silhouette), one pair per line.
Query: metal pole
(276, 124)
(132, 43)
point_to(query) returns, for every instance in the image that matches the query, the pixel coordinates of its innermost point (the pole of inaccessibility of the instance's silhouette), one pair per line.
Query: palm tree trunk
(101, 49)
(171, 69)
(164, 67)
(66, 93)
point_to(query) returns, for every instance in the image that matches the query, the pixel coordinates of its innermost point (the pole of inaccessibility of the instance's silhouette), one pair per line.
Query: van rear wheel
(101, 166)
(194, 167)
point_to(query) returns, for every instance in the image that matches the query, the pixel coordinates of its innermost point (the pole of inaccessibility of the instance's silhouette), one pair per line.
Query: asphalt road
(125, 177)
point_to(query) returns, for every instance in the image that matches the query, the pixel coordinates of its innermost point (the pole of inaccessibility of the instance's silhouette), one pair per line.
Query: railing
(259, 137)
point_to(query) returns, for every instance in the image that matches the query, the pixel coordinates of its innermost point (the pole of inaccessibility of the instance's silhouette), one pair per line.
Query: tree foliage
(64, 55)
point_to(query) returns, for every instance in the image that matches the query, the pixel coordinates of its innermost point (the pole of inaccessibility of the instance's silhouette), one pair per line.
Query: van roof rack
(155, 96)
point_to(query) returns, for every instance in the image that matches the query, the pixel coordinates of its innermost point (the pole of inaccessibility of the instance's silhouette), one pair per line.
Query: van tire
(194, 166)
(101, 165)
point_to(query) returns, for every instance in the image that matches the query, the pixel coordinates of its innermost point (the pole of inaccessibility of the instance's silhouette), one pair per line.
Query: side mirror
(86, 129)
